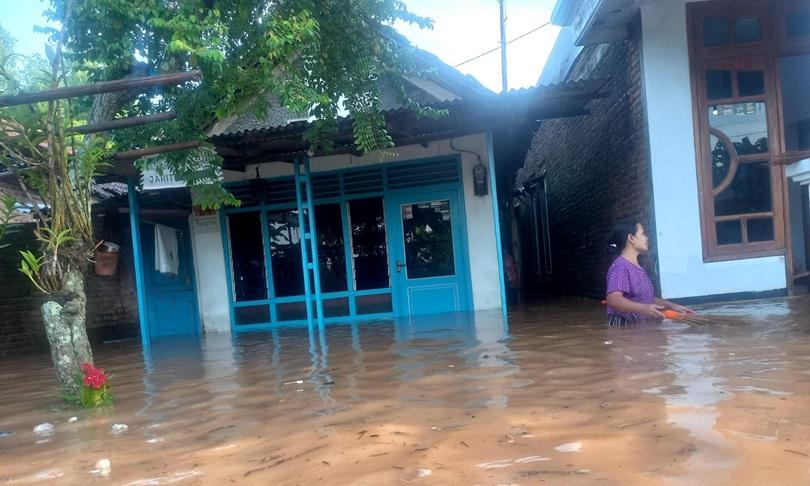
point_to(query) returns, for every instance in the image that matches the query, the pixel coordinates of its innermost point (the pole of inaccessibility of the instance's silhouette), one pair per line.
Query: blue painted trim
(348, 245)
(493, 189)
(226, 250)
(304, 200)
(313, 242)
(300, 298)
(193, 273)
(464, 236)
(268, 262)
(140, 285)
(302, 323)
(302, 231)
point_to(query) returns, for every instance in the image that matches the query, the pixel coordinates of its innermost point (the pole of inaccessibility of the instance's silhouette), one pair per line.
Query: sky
(462, 30)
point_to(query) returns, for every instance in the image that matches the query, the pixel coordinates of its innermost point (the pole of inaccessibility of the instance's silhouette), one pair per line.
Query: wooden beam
(130, 84)
(160, 149)
(788, 158)
(123, 123)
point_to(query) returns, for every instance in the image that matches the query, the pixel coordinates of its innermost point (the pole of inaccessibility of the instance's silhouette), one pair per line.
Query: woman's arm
(618, 301)
(672, 305)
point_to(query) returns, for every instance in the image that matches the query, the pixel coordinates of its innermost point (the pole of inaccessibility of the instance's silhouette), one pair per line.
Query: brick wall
(112, 311)
(596, 167)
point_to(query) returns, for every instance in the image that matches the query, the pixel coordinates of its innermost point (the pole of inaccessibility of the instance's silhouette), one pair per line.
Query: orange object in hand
(674, 315)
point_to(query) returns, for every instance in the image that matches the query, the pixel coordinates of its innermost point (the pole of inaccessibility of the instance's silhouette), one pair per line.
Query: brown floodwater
(553, 398)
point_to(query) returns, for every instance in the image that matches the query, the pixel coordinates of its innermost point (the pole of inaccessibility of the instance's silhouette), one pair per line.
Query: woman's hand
(653, 310)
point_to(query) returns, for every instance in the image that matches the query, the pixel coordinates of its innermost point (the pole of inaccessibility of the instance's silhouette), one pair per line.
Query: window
(751, 68)
(247, 257)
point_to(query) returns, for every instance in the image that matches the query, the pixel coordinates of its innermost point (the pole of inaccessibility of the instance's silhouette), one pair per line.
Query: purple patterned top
(633, 282)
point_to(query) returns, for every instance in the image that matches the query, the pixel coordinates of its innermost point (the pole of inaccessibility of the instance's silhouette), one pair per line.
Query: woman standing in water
(630, 294)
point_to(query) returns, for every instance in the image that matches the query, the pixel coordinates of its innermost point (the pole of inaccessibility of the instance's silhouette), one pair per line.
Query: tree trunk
(67, 335)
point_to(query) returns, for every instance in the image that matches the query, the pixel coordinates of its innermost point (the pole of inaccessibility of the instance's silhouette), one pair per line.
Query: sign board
(153, 179)
(206, 224)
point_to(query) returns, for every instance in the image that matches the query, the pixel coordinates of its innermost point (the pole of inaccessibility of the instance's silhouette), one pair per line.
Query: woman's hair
(618, 237)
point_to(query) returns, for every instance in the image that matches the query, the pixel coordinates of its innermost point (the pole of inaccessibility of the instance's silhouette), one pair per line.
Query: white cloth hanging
(166, 258)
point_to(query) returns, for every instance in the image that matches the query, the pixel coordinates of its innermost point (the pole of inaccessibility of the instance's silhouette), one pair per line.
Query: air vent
(424, 173)
(363, 181)
(359, 181)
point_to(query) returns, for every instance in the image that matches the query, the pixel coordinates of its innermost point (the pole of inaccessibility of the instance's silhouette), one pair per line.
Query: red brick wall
(597, 168)
(112, 310)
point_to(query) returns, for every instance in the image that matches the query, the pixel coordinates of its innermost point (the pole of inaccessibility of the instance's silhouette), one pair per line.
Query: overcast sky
(463, 29)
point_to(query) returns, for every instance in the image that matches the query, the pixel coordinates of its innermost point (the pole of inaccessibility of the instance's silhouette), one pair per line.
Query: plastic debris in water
(44, 429)
(165, 479)
(417, 474)
(47, 474)
(296, 382)
(103, 468)
(496, 464)
(73, 420)
(569, 447)
(119, 429)
(156, 440)
(608, 342)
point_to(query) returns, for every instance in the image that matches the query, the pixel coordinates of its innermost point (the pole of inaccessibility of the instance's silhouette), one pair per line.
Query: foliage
(53, 167)
(45, 271)
(8, 206)
(320, 58)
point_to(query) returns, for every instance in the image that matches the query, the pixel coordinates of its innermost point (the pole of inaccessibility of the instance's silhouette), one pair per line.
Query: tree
(314, 56)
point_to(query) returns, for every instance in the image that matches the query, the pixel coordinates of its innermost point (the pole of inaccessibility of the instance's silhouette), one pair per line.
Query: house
(340, 236)
(705, 137)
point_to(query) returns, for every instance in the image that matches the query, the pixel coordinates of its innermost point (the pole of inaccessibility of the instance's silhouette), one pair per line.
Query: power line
(507, 43)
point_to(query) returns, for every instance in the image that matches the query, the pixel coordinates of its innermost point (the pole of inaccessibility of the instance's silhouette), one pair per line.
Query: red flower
(93, 377)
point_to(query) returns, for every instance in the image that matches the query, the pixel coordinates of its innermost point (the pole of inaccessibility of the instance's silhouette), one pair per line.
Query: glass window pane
(760, 229)
(751, 83)
(747, 30)
(798, 23)
(292, 311)
(721, 160)
(259, 314)
(428, 237)
(749, 192)
(369, 250)
(247, 256)
(285, 252)
(331, 252)
(746, 124)
(729, 233)
(715, 31)
(336, 307)
(795, 74)
(718, 84)
(373, 304)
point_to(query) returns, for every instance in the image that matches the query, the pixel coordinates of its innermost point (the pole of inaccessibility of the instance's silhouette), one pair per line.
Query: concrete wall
(668, 97)
(209, 268)
(484, 273)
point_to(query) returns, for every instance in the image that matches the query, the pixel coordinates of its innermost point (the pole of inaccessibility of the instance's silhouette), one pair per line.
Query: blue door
(427, 253)
(171, 302)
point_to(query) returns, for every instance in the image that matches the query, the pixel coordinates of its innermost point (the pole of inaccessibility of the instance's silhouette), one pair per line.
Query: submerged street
(555, 398)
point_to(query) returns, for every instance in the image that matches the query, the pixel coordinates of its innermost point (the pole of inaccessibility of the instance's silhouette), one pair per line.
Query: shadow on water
(553, 396)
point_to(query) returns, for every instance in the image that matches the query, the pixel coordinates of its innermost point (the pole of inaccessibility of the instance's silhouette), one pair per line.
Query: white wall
(482, 253)
(668, 96)
(209, 268)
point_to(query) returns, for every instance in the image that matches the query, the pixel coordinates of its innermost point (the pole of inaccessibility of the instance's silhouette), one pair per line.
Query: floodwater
(556, 398)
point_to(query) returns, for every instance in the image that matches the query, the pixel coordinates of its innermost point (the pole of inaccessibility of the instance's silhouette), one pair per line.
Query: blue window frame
(335, 188)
